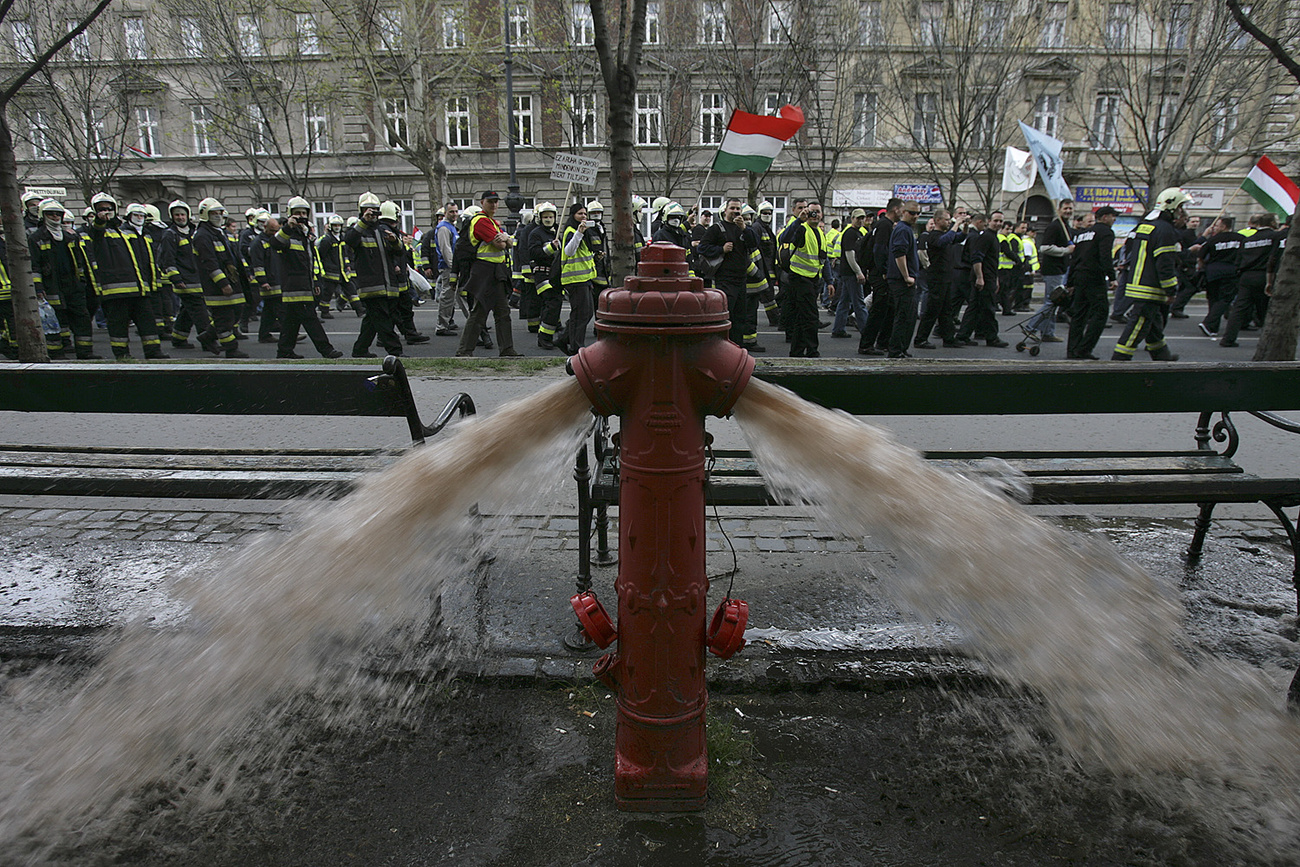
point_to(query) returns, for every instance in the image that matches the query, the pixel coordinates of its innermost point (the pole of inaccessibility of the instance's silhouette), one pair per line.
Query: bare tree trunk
(27, 316)
(1277, 342)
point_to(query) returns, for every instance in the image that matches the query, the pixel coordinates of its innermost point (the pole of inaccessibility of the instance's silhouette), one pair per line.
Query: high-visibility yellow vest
(581, 267)
(1030, 251)
(806, 260)
(1005, 262)
(486, 251)
(833, 240)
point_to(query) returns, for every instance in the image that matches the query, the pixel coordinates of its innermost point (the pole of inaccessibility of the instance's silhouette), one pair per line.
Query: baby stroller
(1031, 327)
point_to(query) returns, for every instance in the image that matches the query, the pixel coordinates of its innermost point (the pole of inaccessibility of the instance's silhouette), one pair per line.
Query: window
(1115, 35)
(146, 130)
(93, 121)
(24, 39)
(316, 123)
(201, 117)
(582, 26)
(778, 211)
(1047, 114)
(649, 119)
(258, 129)
(133, 38)
(652, 23)
(523, 120)
(712, 122)
(521, 31)
(1055, 13)
(1166, 113)
(1105, 121)
(320, 212)
(270, 207)
(191, 37)
(308, 34)
(864, 120)
(388, 29)
(1223, 125)
(713, 22)
(712, 204)
(1180, 25)
(406, 212)
(871, 22)
(773, 102)
(40, 137)
(584, 119)
(395, 122)
(993, 21)
(80, 43)
(779, 16)
(250, 34)
(458, 122)
(931, 24)
(986, 123)
(925, 118)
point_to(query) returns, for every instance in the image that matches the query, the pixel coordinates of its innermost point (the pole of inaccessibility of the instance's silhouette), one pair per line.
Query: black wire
(735, 565)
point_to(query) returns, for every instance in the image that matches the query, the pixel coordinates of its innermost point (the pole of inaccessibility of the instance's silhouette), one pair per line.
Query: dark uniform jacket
(1155, 260)
(178, 261)
(218, 267)
(1094, 253)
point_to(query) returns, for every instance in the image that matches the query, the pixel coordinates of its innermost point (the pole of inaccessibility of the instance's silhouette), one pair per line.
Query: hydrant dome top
(662, 294)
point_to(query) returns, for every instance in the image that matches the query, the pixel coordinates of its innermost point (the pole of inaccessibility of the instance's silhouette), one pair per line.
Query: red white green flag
(752, 141)
(1272, 189)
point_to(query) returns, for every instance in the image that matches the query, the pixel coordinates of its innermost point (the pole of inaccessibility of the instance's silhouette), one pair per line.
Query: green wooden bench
(1199, 473)
(206, 389)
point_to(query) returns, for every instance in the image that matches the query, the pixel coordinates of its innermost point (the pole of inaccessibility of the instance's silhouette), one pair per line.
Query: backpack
(463, 255)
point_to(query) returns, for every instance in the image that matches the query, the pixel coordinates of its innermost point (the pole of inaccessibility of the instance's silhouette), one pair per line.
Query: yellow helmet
(210, 207)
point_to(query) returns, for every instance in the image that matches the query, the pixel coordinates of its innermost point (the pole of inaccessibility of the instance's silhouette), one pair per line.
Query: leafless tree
(30, 339)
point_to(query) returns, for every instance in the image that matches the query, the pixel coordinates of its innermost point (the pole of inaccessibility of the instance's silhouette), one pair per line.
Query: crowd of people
(205, 275)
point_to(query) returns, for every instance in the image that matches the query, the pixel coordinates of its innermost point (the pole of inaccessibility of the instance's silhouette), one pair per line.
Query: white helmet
(674, 210)
(595, 207)
(638, 204)
(100, 198)
(137, 208)
(471, 212)
(659, 204)
(261, 218)
(746, 210)
(210, 208)
(178, 204)
(367, 200)
(1172, 198)
(299, 203)
(334, 220)
(388, 211)
(251, 214)
(765, 205)
(352, 221)
(50, 206)
(547, 207)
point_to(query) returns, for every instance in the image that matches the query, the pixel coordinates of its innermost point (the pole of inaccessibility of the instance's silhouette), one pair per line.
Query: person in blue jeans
(852, 277)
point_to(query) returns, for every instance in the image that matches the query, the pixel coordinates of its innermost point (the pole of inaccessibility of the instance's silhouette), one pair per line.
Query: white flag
(1047, 154)
(1019, 171)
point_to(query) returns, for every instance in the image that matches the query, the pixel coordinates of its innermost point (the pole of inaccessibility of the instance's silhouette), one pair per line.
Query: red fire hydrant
(662, 364)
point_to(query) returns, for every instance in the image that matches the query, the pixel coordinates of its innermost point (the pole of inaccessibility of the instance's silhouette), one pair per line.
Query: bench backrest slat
(1043, 388)
(229, 389)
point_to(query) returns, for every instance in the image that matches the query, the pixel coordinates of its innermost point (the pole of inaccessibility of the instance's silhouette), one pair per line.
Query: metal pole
(514, 200)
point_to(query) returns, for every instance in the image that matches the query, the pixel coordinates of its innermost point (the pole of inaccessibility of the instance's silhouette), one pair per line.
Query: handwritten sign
(573, 169)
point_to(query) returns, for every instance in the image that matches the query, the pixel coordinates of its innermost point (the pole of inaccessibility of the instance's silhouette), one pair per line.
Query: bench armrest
(394, 376)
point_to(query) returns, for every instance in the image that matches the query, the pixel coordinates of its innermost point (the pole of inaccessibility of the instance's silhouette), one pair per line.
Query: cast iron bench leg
(604, 557)
(1198, 535)
(582, 473)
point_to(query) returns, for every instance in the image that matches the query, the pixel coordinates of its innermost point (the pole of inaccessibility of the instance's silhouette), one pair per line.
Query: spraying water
(283, 617)
(1058, 613)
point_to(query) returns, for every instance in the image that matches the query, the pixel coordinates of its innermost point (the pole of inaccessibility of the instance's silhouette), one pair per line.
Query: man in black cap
(1092, 274)
(489, 285)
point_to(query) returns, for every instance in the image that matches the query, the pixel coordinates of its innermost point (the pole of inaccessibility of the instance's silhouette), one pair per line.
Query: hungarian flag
(752, 141)
(1271, 188)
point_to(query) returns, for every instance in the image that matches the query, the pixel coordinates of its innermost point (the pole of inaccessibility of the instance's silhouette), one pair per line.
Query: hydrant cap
(662, 294)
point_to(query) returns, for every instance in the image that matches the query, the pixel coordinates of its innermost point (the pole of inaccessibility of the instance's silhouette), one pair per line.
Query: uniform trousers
(980, 320)
(295, 314)
(1087, 314)
(1250, 289)
(120, 312)
(803, 316)
(377, 323)
(193, 314)
(903, 296)
(1145, 321)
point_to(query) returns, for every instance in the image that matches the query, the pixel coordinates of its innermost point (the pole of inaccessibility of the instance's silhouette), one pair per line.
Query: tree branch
(1274, 46)
(39, 63)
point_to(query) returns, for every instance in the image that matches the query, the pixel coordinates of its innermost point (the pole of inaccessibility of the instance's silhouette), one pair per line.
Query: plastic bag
(49, 319)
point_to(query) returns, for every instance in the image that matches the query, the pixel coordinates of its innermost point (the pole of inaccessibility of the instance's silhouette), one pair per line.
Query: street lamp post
(514, 200)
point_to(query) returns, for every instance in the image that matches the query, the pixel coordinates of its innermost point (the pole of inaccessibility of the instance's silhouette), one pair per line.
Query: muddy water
(286, 626)
(1060, 614)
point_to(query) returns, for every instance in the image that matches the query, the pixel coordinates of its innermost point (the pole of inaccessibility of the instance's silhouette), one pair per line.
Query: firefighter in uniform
(265, 268)
(530, 305)
(767, 246)
(400, 261)
(217, 259)
(299, 270)
(333, 263)
(125, 274)
(1154, 279)
(372, 245)
(180, 267)
(488, 283)
(542, 249)
(60, 280)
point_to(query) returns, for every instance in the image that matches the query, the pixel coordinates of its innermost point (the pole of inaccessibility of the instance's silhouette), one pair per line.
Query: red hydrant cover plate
(727, 631)
(595, 622)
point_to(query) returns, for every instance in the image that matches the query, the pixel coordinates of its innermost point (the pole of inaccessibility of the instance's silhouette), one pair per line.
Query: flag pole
(699, 203)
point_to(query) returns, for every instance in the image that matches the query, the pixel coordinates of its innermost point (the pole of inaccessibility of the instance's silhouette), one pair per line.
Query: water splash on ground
(1060, 614)
(289, 625)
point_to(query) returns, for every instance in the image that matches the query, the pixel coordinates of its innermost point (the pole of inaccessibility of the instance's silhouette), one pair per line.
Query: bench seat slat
(1053, 465)
(186, 450)
(190, 461)
(261, 485)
